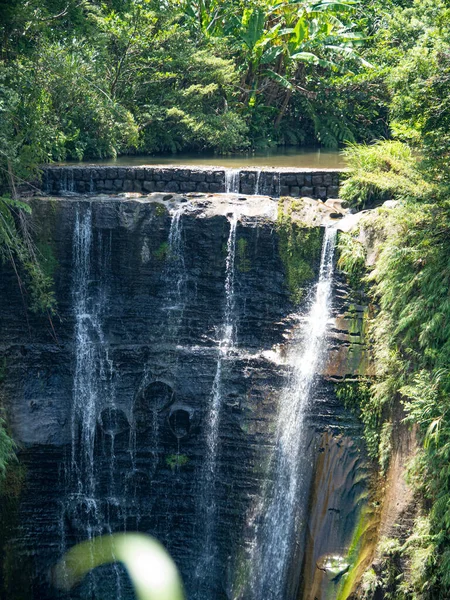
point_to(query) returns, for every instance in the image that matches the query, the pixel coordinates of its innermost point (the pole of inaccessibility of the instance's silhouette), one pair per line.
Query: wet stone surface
(159, 351)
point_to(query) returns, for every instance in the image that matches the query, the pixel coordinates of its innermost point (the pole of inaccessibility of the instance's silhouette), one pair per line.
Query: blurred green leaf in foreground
(151, 569)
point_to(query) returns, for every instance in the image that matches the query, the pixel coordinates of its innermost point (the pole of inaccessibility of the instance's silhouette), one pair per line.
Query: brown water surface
(279, 157)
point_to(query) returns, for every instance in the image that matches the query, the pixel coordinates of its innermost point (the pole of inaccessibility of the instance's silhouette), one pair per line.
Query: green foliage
(243, 261)
(357, 395)
(17, 247)
(382, 171)
(299, 248)
(46, 258)
(418, 549)
(161, 253)
(176, 461)
(352, 259)
(152, 572)
(411, 354)
(7, 448)
(90, 79)
(160, 210)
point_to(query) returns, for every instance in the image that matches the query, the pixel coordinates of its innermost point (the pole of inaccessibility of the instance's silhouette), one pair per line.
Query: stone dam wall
(319, 184)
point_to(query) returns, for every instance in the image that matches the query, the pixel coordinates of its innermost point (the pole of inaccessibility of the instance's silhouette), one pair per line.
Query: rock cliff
(143, 351)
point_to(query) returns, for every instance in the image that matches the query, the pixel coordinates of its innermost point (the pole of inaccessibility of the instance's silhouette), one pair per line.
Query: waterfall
(175, 274)
(232, 181)
(89, 364)
(204, 573)
(93, 390)
(67, 181)
(275, 535)
(258, 177)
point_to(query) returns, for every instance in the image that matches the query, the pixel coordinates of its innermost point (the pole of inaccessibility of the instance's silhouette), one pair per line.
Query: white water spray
(232, 181)
(93, 390)
(258, 177)
(275, 536)
(207, 561)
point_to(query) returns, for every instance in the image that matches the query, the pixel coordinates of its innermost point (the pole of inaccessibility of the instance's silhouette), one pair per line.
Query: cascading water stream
(93, 389)
(258, 177)
(204, 572)
(232, 181)
(279, 516)
(175, 274)
(89, 366)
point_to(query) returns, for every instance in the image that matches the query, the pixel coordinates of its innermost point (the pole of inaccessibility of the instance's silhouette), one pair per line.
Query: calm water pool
(287, 157)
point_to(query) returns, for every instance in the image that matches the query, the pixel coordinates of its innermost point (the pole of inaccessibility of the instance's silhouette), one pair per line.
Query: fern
(382, 171)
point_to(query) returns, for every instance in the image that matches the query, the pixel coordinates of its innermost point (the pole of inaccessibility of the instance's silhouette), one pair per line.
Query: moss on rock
(300, 248)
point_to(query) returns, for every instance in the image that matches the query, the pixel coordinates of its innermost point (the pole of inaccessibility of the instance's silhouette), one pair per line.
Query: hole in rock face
(155, 398)
(180, 421)
(113, 421)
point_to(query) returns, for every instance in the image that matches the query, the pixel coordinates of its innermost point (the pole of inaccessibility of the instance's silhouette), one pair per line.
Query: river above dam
(278, 157)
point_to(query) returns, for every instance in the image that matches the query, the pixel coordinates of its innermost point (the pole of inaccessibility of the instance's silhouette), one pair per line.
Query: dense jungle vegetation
(87, 79)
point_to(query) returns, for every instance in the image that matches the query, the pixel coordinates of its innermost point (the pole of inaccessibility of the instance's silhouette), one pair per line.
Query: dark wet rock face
(136, 339)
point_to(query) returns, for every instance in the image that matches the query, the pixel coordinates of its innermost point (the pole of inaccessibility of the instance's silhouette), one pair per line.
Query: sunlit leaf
(152, 571)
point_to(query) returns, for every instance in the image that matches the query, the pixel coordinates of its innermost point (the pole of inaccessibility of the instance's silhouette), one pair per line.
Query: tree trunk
(283, 109)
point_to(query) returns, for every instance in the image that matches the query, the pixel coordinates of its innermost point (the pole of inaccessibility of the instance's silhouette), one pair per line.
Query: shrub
(382, 171)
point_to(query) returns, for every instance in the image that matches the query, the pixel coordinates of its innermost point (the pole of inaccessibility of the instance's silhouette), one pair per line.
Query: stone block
(308, 179)
(333, 191)
(285, 190)
(77, 174)
(197, 176)
(121, 173)
(247, 188)
(187, 186)
(215, 188)
(128, 185)
(80, 187)
(288, 179)
(148, 186)
(209, 176)
(202, 186)
(140, 174)
(166, 174)
(219, 177)
(317, 180)
(137, 185)
(327, 179)
(321, 192)
(160, 186)
(118, 185)
(307, 191)
(300, 179)
(172, 186)
(131, 174)
(108, 185)
(295, 191)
